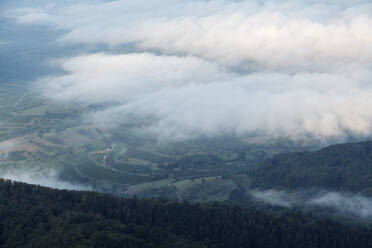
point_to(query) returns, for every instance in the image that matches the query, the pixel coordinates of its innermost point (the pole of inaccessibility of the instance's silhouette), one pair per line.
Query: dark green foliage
(34, 216)
(344, 167)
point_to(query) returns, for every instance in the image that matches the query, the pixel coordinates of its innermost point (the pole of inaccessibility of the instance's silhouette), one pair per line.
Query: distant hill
(34, 216)
(343, 167)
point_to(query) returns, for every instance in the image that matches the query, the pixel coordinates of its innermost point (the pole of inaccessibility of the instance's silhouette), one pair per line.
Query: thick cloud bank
(209, 68)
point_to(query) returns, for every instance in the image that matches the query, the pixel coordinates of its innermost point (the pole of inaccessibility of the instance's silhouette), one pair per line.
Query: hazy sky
(210, 68)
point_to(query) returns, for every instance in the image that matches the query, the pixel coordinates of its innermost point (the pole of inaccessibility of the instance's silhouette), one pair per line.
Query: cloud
(344, 203)
(48, 179)
(287, 36)
(274, 197)
(210, 68)
(44, 177)
(97, 78)
(355, 204)
(186, 97)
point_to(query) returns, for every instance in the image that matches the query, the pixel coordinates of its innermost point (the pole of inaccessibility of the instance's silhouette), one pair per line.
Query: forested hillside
(34, 216)
(343, 167)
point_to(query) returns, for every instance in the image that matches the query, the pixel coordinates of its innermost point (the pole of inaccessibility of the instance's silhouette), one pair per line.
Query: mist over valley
(255, 109)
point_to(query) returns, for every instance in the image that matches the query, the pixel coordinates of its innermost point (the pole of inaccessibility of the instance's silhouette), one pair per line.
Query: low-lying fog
(346, 204)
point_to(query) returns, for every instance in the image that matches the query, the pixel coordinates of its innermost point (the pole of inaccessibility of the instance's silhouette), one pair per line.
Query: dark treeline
(34, 216)
(344, 167)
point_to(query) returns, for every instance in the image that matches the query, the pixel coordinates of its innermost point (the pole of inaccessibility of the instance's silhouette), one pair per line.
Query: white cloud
(287, 36)
(48, 179)
(98, 78)
(186, 97)
(344, 203)
(355, 204)
(294, 68)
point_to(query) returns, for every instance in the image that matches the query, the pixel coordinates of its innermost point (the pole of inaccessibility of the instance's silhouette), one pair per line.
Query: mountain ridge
(341, 167)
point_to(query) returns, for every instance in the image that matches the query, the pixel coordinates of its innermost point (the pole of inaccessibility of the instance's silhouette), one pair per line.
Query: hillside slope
(34, 216)
(343, 167)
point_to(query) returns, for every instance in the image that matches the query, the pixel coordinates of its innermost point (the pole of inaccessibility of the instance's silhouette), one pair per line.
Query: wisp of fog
(49, 178)
(346, 204)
